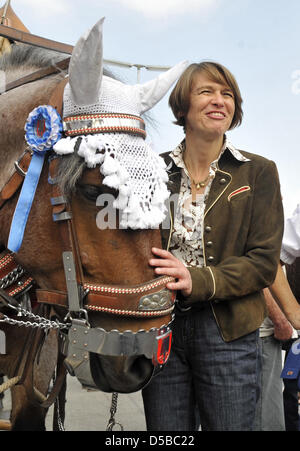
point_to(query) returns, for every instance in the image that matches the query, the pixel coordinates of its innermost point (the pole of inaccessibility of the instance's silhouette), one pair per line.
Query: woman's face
(211, 107)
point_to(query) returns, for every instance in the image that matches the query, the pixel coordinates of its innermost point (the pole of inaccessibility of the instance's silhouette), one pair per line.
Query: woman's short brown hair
(179, 100)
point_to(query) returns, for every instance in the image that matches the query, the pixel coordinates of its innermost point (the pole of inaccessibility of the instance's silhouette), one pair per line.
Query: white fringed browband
(130, 166)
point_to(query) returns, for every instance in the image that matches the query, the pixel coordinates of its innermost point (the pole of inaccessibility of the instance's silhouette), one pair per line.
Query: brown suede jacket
(242, 234)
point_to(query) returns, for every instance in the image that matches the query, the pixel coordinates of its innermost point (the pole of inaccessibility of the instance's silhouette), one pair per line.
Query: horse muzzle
(115, 361)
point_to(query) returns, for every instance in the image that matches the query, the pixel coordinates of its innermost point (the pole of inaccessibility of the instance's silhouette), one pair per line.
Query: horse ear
(86, 67)
(152, 92)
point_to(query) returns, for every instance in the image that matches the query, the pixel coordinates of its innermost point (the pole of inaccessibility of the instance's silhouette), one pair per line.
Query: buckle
(17, 163)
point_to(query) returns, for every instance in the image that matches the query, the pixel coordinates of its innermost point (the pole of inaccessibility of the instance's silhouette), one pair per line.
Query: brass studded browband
(104, 123)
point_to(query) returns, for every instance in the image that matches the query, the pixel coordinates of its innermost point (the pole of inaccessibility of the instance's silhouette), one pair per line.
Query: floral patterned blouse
(186, 241)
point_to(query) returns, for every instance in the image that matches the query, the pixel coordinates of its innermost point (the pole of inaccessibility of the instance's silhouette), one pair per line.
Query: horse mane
(24, 58)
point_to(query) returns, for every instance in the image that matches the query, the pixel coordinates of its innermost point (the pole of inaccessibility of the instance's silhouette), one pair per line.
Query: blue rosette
(43, 129)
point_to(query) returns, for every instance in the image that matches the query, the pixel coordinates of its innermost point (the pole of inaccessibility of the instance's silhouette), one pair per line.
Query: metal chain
(112, 422)
(39, 321)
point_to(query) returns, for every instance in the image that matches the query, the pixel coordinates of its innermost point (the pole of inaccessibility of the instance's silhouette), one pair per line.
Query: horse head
(93, 216)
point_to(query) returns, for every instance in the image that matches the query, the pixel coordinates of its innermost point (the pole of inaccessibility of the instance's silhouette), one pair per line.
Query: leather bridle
(119, 300)
(147, 300)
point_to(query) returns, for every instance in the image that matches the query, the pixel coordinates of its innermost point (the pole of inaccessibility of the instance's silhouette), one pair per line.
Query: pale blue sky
(258, 40)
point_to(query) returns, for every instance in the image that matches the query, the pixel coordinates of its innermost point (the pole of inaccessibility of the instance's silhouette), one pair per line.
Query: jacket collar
(177, 154)
(228, 158)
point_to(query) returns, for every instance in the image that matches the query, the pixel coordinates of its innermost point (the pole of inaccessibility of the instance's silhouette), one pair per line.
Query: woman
(223, 250)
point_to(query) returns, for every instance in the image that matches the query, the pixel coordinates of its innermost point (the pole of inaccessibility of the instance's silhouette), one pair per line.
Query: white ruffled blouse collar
(177, 154)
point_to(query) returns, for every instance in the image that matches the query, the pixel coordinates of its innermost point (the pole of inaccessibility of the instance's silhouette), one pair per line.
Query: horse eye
(90, 192)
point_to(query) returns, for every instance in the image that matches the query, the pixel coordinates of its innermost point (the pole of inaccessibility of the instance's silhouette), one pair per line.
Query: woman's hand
(283, 330)
(168, 265)
(283, 295)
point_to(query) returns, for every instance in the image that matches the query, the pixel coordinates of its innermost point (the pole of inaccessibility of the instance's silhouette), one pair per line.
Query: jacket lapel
(222, 180)
(219, 186)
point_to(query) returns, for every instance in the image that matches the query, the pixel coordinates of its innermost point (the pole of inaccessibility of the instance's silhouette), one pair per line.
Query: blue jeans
(269, 409)
(206, 376)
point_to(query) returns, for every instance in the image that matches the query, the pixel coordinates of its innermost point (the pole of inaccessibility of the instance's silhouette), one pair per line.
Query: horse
(108, 258)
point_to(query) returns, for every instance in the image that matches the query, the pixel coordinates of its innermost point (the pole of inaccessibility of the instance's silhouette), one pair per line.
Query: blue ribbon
(43, 129)
(24, 204)
(291, 368)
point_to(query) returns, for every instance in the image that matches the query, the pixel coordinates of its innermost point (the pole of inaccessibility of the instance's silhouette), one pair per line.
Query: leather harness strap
(37, 75)
(14, 281)
(31, 39)
(15, 181)
(56, 99)
(145, 300)
(63, 216)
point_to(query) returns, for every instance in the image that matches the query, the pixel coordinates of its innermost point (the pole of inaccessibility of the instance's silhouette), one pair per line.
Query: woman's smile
(211, 107)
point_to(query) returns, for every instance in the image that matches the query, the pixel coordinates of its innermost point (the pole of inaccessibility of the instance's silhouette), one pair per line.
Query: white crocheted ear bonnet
(105, 114)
